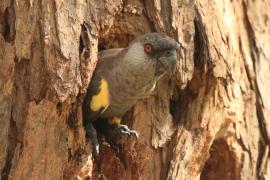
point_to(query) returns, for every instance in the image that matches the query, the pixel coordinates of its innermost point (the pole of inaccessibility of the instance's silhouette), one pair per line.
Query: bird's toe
(134, 134)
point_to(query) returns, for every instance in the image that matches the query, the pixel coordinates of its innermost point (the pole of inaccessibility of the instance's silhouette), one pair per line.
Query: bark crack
(13, 133)
(8, 24)
(201, 50)
(259, 103)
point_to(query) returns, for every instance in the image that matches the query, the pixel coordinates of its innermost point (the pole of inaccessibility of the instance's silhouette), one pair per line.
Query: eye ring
(148, 48)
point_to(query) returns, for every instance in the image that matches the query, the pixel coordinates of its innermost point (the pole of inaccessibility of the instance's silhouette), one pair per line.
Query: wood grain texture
(214, 110)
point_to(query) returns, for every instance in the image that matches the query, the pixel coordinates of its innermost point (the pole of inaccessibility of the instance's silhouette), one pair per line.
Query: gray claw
(125, 130)
(134, 133)
(96, 150)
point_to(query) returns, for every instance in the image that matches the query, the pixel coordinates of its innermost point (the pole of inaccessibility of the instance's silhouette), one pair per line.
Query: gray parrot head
(157, 50)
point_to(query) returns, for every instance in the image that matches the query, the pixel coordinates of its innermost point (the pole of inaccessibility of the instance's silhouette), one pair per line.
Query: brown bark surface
(210, 121)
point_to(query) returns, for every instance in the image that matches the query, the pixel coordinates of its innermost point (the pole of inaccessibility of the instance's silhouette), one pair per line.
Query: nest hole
(221, 163)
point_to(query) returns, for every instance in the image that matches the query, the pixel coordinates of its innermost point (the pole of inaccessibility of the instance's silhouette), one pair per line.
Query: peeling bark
(210, 120)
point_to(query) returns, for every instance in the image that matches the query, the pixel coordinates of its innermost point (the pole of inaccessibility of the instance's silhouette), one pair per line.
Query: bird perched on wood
(122, 76)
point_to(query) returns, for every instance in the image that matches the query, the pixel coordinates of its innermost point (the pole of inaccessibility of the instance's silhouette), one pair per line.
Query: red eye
(148, 48)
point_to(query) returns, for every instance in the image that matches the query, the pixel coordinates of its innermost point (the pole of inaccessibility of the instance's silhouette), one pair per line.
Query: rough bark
(211, 120)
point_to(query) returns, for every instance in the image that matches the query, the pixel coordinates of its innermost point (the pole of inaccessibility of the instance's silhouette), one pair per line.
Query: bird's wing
(97, 97)
(94, 89)
(106, 54)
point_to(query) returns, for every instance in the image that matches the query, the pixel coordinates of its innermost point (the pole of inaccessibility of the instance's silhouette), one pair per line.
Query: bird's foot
(121, 133)
(123, 129)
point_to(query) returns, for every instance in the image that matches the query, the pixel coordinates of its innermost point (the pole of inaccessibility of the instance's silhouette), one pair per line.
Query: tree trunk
(210, 121)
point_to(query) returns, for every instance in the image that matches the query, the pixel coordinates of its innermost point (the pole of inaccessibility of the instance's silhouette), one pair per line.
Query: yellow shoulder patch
(101, 100)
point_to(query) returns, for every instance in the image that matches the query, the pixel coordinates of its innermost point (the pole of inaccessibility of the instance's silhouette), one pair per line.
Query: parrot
(122, 77)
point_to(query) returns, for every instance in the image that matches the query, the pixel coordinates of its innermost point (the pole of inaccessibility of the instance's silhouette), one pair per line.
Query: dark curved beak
(167, 61)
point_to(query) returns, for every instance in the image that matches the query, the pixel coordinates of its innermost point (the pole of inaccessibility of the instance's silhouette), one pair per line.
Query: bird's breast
(126, 87)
